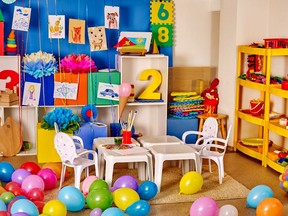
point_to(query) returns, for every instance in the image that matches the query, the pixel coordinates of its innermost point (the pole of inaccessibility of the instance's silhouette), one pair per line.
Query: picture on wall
(97, 38)
(108, 91)
(31, 94)
(76, 31)
(112, 17)
(21, 18)
(56, 26)
(65, 90)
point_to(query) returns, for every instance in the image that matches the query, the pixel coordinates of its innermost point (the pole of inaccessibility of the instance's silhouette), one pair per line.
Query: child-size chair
(66, 148)
(215, 149)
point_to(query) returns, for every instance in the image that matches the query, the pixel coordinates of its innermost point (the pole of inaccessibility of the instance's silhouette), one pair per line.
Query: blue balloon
(72, 198)
(6, 171)
(26, 206)
(3, 206)
(147, 190)
(113, 211)
(138, 208)
(257, 194)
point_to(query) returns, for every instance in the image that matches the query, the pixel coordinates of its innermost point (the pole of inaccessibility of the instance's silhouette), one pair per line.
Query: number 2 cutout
(149, 93)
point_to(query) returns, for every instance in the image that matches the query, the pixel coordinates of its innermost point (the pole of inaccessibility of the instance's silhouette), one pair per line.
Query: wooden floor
(244, 169)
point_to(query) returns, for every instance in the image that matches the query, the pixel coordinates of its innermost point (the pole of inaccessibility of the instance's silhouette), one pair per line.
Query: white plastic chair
(215, 151)
(66, 149)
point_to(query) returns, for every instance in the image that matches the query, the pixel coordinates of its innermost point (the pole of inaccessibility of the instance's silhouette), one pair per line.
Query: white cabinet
(151, 117)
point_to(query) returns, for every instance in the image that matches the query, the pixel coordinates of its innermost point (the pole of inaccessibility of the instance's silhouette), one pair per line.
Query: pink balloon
(204, 206)
(19, 175)
(32, 181)
(125, 89)
(49, 177)
(87, 182)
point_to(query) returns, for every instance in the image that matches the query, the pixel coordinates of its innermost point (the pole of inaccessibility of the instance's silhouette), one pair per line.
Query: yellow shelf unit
(264, 123)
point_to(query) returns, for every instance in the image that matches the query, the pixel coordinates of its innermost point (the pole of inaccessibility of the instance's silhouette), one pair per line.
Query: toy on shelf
(211, 97)
(11, 46)
(284, 180)
(256, 107)
(1, 33)
(276, 42)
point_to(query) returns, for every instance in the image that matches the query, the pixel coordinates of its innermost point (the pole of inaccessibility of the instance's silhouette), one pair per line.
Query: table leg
(158, 172)
(109, 171)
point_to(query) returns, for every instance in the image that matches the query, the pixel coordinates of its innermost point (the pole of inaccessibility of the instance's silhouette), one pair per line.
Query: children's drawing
(76, 31)
(65, 90)
(97, 38)
(21, 18)
(112, 17)
(31, 94)
(56, 26)
(108, 91)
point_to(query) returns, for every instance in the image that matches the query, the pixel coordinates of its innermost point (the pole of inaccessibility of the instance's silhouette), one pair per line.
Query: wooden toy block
(8, 99)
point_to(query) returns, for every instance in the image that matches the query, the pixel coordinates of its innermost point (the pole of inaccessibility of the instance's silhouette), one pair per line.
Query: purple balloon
(126, 181)
(19, 175)
(96, 212)
(204, 206)
(20, 214)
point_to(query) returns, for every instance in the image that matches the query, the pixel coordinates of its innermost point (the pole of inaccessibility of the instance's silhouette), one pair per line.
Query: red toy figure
(211, 97)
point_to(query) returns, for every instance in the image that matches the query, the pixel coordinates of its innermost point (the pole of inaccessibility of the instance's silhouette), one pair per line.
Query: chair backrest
(210, 127)
(56, 127)
(65, 147)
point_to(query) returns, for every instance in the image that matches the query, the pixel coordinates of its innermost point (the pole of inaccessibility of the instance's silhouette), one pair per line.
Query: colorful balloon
(113, 211)
(99, 198)
(191, 183)
(72, 198)
(269, 206)
(139, 208)
(124, 197)
(35, 194)
(6, 171)
(87, 183)
(49, 177)
(125, 89)
(99, 183)
(7, 197)
(55, 208)
(3, 206)
(32, 181)
(147, 190)
(96, 212)
(257, 194)
(24, 205)
(31, 166)
(126, 181)
(228, 210)
(19, 175)
(204, 206)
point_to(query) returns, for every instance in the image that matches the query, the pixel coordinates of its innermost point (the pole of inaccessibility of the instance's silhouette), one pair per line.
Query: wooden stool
(221, 118)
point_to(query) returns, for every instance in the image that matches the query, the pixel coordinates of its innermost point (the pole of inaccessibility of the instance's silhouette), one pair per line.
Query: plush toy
(211, 97)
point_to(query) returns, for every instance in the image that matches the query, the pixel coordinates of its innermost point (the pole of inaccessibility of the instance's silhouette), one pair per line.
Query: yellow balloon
(124, 197)
(55, 208)
(191, 183)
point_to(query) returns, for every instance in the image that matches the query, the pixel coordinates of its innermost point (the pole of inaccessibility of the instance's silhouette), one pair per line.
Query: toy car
(109, 92)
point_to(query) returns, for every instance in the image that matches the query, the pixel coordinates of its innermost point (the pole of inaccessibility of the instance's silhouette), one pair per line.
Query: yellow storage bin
(45, 146)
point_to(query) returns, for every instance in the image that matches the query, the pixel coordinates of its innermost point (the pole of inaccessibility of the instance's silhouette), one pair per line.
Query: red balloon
(35, 194)
(4, 213)
(19, 192)
(39, 205)
(30, 166)
(10, 186)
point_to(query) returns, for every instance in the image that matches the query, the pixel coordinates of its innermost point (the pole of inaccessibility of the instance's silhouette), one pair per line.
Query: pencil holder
(127, 137)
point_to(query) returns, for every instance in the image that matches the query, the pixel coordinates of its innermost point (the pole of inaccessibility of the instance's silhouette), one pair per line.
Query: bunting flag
(162, 20)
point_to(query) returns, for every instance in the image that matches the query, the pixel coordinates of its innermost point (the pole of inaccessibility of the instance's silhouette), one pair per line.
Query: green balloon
(0, 183)
(98, 183)
(7, 196)
(99, 198)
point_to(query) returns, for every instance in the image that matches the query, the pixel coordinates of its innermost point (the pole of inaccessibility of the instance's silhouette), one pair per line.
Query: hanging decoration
(76, 31)
(97, 38)
(56, 26)
(80, 63)
(112, 17)
(39, 64)
(162, 20)
(89, 113)
(21, 18)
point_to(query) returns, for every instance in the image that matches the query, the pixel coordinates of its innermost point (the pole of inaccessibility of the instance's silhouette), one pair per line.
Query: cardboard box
(81, 79)
(187, 79)
(45, 146)
(93, 83)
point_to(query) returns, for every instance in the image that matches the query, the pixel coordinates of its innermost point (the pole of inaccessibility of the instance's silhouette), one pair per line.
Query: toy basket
(256, 107)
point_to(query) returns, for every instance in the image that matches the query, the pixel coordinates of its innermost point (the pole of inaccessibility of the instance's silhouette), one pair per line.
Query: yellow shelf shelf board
(275, 165)
(252, 152)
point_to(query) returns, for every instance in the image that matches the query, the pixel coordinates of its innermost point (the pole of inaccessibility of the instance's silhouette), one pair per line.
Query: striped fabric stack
(11, 47)
(185, 105)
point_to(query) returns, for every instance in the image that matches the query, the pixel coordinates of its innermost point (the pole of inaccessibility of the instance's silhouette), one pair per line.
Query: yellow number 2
(149, 93)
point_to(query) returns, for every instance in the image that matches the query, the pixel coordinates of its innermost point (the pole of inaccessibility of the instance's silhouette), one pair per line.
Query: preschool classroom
(176, 106)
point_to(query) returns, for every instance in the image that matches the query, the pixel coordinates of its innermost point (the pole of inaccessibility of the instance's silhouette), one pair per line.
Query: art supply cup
(127, 137)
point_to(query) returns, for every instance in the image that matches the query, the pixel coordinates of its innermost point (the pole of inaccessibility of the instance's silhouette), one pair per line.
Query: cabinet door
(151, 117)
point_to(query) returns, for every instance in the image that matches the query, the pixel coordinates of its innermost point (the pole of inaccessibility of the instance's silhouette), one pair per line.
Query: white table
(113, 156)
(148, 141)
(162, 153)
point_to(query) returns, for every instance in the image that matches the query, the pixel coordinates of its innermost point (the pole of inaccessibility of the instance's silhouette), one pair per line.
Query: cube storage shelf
(264, 123)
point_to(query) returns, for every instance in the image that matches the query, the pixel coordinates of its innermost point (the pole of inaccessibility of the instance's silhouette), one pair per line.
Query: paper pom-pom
(66, 120)
(89, 113)
(77, 64)
(39, 64)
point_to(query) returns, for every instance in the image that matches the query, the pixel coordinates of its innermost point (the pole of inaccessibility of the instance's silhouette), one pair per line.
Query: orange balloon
(2, 190)
(269, 207)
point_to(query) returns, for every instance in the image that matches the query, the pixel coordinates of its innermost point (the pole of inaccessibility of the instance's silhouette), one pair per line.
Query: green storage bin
(93, 83)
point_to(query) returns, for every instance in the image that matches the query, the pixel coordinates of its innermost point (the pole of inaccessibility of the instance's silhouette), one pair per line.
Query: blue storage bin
(176, 127)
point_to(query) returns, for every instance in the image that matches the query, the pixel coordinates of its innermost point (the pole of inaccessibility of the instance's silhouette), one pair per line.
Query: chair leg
(63, 170)
(77, 175)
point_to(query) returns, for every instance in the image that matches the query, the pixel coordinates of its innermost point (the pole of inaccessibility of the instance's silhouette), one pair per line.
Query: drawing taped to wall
(31, 94)
(112, 17)
(56, 26)
(21, 18)
(76, 31)
(65, 90)
(97, 38)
